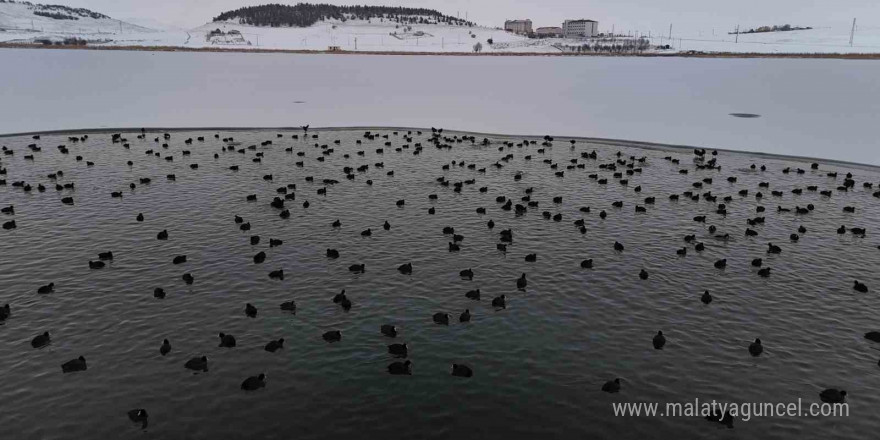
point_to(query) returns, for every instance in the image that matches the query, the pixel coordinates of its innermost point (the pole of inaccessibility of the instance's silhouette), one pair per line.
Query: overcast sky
(642, 15)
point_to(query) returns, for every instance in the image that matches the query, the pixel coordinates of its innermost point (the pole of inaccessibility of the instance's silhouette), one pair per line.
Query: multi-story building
(547, 32)
(518, 26)
(580, 28)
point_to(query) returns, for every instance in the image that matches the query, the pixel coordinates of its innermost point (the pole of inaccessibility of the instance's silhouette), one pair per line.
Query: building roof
(581, 20)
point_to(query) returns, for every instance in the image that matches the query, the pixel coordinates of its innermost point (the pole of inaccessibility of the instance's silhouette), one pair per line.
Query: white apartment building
(580, 28)
(518, 26)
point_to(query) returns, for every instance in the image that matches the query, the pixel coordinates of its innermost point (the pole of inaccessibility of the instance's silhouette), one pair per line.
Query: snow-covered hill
(28, 22)
(359, 35)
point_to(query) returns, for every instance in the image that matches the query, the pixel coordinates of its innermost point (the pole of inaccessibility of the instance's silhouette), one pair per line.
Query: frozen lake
(813, 108)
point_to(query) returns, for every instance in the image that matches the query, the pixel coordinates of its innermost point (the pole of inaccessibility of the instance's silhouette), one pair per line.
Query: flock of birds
(619, 168)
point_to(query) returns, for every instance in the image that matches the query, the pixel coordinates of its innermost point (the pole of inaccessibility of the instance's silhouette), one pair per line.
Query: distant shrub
(55, 15)
(489, 41)
(74, 41)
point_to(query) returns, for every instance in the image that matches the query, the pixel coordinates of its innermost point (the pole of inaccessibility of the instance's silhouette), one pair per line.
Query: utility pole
(737, 35)
(670, 31)
(852, 33)
(355, 43)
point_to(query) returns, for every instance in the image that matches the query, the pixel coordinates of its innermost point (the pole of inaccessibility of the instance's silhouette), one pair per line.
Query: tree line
(307, 14)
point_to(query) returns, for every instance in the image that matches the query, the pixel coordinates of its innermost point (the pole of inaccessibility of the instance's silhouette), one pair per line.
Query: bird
(466, 273)
(254, 383)
(659, 340)
(873, 336)
(188, 278)
(388, 330)
(332, 336)
(180, 259)
(357, 268)
(273, 346)
(531, 258)
(139, 416)
(765, 272)
(860, 287)
(721, 264)
(461, 370)
(5, 312)
(706, 298)
(405, 268)
(465, 316)
(41, 340)
(500, 301)
(226, 341)
(643, 274)
(612, 386)
(74, 365)
(587, 264)
(332, 253)
(162, 235)
(386, 225)
(755, 348)
(250, 310)
(618, 247)
(773, 249)
(96, 264)
(832, 395)
(260, 257)
(521, 282)
(48, 288)
(441, 318)
(197, 364)
(400, 368)
(757, 262)
(473, 294)
(398, 349)
(366, 233)
(288, 306)
(165, 348)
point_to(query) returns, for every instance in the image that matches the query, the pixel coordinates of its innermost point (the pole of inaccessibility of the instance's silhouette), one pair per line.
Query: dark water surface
(539, 364)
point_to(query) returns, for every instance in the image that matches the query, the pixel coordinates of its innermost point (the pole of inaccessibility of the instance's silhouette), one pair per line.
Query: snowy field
(814, 108)
(819, 40)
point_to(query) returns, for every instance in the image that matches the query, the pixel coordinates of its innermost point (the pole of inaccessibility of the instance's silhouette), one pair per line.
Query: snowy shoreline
(687, 54)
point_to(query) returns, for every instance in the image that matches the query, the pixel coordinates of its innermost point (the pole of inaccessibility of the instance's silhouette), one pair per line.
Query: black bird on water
(227, 341)
(659, 340)
(612, 386)
(755, 348)
(254, 383)
(165, 348)
(461, 370)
